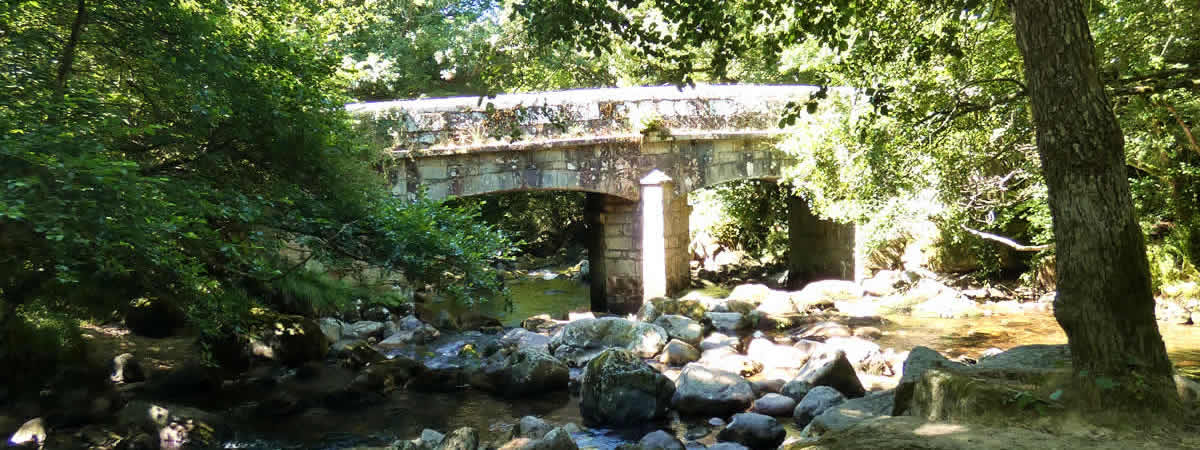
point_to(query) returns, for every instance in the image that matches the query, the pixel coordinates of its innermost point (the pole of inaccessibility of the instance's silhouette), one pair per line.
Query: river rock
(32, 433)
(716, 340)
(681, 327)
(827, 368)
(422, 334)
(465, 438)
(526, 372)
(533, 427)
(824, 330)
(850, 412)
(1189, 390)
(750, 293)
(774, 405)
(776, 357)
(556, 439)
(815, 402)
(777, 303)
(362, 330)
(525, 339)
(660, 440)
(821, 295)
(577, 342)
(1035, 356)
(541, 323)
(175, 425)
(920, 359)
(868, 333)
(700, 390)
(331, 328)
(678, 353)
(125, 368)
(864, 355)
(729, 322)
(153, 318)
(729, 360)
(688, 307)
(618, 388)
(948, 305)
(727, 446)
(755, 431)
(884, 283)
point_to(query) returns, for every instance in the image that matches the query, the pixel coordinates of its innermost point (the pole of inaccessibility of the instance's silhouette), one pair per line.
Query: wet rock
(850, 412)
(422, 334)
(920, 359)
(532, 427)
(884, 283)
(826, 368)
(678, 353)
(821, 295)
(716, 340)
(525, 339)
(190, 380)
(774, 405)
(618, 388)
(750, 293)
(125, 368)
(331, 328)
(556, 439)
(815, 402)
(362, 330)
(703, 391)
(729, 360)
(755, 431)
(769, 386)
(660, 440)
(361, 354)
(527, 372)
(729, 322)
(681, 327)
(432, 438)
(176, 426)
(777, 303)
(727, 446)
(1189, 390)
(824, 330)
(653, 308)
(540, 323)
(580, 340)
(465, 438)
(31, 433)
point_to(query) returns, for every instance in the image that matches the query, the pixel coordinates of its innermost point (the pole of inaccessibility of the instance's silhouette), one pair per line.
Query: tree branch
(1186, 131)
(1006, 241)
(67, 58)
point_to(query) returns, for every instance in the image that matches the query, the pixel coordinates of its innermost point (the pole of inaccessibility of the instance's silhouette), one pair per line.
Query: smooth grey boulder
(526, 372)
(851, 412)
(775, 356)
(581, 340)
(678, 353)
(774, 405)
(532, 427)
(362, 329)
(777, 303)
(829, 368)
(331, 328)
(1037, 356)
(727, 446)
(825, 330)
(920, 359)
(525, 339)
(729, 360)
(620, 389)
(729, 322)
(660, 440)
(864, 355)
(816, 401)
(755, 431)
(703, 391)
(681, 327)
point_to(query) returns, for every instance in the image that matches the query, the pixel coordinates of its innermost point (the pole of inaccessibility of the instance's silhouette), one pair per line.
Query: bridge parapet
(455, 125)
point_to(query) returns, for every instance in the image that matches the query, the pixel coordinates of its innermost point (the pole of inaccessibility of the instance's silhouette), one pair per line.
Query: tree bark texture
(1105, 302)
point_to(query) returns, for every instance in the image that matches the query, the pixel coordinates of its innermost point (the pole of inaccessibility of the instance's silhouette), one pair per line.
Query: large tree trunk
(1105, 303)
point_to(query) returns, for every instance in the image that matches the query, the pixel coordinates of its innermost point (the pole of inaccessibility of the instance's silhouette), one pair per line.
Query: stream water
(405, 414)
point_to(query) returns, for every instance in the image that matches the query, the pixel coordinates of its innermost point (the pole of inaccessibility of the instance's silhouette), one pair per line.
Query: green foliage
(756, 217)
(180, 147)
(35, 342)
(540, 223)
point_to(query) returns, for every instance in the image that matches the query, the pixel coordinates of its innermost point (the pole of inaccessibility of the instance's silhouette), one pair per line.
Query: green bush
(35, 343)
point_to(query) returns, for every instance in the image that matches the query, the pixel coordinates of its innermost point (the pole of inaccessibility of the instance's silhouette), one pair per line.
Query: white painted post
(654, 240)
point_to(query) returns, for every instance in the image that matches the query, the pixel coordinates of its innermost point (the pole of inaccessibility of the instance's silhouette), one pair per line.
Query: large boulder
(851, 412)
(708, 392)
(465, 438)
(125, 368)
(525, 339)
(1035, 356)
(653, 308)
(331, 328)
(681, 327)
(777, 357)
(821, 295)
(824, 330)
(176, 426)
(920, 359)
(827, 368)
(816, 401)
(884, 283)
(580, 340)
(949, 305)
(154, 318)
(755, 431)
(526, 372)
(777, 303)
(362, 330)
(716, 340)
(620, 389)
(864, 355)
(750, 293)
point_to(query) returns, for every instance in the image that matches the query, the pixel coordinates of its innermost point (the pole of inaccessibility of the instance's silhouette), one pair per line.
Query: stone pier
(817, 249)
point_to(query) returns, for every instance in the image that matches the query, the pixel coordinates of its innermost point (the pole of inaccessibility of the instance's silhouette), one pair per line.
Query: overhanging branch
(1006, 241)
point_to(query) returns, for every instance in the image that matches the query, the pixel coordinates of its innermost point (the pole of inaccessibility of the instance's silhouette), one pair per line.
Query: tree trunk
(1105, 303)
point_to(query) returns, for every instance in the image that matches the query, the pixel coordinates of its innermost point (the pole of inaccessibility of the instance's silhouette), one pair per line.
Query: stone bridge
(637, 152)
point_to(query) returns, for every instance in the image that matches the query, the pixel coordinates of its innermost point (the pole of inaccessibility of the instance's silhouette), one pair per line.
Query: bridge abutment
(818, 249)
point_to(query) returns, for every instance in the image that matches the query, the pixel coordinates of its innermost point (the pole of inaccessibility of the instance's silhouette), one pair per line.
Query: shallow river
(405, 414)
